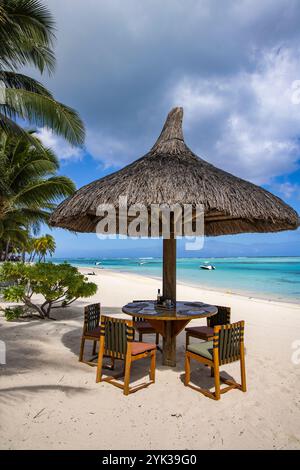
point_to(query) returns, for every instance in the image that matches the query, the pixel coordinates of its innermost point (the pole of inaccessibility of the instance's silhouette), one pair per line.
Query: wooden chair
(227, 346)
(207, 332)
(143, 327)
(116, 341)
(91, 332)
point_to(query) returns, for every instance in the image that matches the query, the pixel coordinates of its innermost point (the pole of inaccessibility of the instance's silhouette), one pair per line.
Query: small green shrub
(60, 285)
(13, 313)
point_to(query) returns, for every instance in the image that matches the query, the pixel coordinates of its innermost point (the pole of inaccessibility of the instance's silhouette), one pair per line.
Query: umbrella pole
(169, 292)
(169, 269)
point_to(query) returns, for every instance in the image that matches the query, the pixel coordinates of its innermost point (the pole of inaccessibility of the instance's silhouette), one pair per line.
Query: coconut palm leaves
(26, 34)
(43, 111)
(43, 246)
(13, 235)
(26, 38)
(29, 184)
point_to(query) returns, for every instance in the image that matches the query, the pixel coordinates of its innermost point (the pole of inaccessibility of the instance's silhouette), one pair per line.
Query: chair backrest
(221, 318)
(229, 339)
(140, 319)
(91, 317)
(117, 334)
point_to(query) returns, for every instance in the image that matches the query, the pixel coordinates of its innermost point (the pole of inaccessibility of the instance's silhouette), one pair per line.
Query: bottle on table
(158, 296)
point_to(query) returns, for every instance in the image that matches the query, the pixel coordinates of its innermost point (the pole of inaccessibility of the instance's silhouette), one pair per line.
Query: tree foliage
(26, 39)
(29, 190)
(60, 285)
(41, 247)
(28, 179)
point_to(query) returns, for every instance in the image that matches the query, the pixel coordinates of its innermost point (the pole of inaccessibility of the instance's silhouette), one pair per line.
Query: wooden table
(169, 322)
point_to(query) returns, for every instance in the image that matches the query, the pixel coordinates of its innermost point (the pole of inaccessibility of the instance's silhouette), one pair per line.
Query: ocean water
(275, 278)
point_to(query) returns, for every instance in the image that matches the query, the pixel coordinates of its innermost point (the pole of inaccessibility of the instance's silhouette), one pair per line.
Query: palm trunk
(7, 249)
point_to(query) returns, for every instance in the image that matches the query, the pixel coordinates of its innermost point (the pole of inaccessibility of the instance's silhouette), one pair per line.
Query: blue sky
(233, 66)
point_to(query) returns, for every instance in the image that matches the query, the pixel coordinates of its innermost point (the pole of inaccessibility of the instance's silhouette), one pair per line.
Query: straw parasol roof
(172, 174)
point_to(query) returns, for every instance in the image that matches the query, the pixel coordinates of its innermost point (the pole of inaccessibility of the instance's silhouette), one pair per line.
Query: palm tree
(14, 236)
(30, 187)
(26, 38)
(43, 246)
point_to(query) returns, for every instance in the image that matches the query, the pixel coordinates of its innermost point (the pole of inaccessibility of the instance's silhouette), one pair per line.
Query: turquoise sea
(275, 278)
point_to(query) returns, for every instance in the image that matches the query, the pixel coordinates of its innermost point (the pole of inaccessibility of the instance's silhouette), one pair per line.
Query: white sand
(48, 400)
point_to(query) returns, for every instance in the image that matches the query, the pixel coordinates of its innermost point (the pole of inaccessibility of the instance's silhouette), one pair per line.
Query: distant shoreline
(178, 258)
(276, 278)
(264, 278)
(244, 295)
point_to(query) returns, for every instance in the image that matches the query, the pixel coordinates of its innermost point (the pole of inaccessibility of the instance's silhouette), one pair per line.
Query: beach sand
(49, 400)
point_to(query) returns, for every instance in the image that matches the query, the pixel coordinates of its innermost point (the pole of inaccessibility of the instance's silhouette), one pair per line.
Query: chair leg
(157, 339)
(81, 349)
(152, 366)
(243, 372)
(127, 375)
(217, 382)
(212, 372)
(100, 361)
(94, 348)
(140, 337)
(187, 377)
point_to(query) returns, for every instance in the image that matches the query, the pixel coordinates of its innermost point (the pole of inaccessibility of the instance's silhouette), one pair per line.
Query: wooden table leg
(169, 330)
(169, 345)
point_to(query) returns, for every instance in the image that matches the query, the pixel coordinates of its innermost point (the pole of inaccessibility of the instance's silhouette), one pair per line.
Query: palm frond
(20, 81)
(26, 34)
(11, 128)
(50, 190)
(44, 111)
(32, 17)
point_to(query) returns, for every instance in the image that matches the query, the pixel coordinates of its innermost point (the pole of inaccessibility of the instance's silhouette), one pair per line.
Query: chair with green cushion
(116, 341)
(207, 332)
(227, 346)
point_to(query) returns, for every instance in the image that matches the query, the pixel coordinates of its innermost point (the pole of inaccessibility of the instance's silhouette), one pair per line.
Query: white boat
(208, 267)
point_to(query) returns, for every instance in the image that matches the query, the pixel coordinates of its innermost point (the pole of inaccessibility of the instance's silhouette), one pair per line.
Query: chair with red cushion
(207, 332)
(143, 327)
(116, 341)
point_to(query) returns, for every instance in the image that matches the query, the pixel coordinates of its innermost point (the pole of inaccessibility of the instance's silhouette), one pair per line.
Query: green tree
(60, 285)
(29, 185)
(43, 246)
(14, 236)
(26, 38)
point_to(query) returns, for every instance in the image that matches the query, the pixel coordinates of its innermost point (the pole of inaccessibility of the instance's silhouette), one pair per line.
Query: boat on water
(208, 267)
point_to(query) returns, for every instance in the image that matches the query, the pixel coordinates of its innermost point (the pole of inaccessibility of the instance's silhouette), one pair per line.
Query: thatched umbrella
(172, 174)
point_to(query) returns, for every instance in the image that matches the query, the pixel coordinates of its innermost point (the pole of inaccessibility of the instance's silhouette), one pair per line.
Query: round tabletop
(184, 310)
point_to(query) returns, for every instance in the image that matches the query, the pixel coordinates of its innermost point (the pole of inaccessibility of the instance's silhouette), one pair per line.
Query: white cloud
(200, 99)
(289, 190)
(253, 117)
(231, 66)
(109, 150)
(60, 147)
